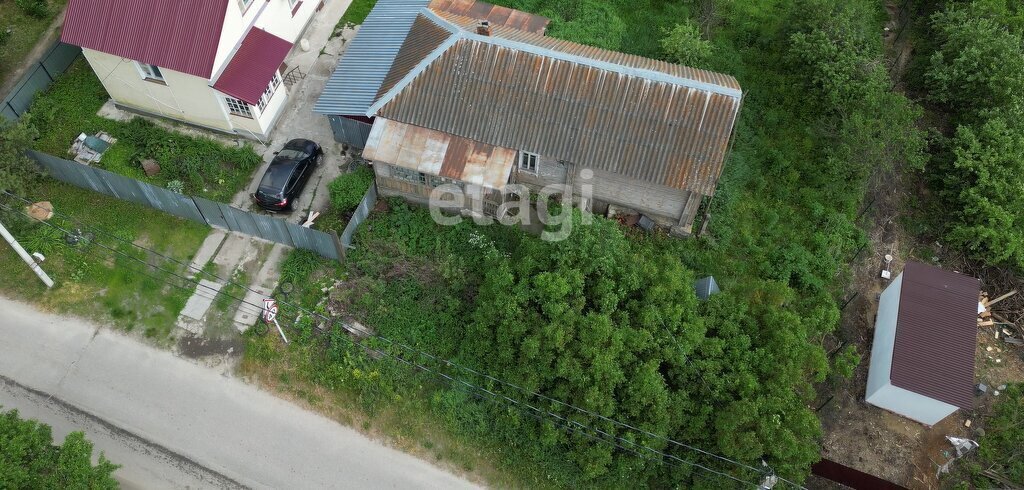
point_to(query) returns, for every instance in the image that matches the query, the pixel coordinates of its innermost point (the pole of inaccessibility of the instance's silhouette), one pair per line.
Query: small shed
(705, 287)
(922, 359)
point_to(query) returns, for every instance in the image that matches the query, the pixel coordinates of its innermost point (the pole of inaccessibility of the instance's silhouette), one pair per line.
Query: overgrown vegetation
(607, 320)
(204, 166)
(999, 460)
(347, 190)
(354, 15)
(972, 70)
(30, 460)
(25, 30)
(18, 172)
(102, 276)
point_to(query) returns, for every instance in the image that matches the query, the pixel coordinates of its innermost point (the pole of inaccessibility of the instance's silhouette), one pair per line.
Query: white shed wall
(915, 406)
(885, 337)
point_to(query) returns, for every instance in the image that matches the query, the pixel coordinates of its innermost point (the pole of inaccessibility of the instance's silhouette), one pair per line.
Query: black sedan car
(287, 175)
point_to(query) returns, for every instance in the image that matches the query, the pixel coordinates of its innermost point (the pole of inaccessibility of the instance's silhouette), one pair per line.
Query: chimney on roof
(483, 28)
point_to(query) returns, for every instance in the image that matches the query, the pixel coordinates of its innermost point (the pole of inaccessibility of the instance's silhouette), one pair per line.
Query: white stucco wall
(880, 391)
(273, 110)
(914, 406)
(182, 96)
(273, 16)
(885, 336)
(278, 20)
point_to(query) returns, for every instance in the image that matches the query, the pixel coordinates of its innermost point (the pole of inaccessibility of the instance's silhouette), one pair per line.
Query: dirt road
(172, 423)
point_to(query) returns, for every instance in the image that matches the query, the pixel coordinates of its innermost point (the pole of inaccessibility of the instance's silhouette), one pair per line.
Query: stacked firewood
(1009, 331)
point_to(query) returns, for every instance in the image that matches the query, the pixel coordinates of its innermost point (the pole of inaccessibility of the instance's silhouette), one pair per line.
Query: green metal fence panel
(38, 78)
(197, 209)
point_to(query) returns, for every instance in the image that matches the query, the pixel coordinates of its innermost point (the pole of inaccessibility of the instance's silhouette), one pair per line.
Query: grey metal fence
(365, 206)
(42, 73)
(197, 209)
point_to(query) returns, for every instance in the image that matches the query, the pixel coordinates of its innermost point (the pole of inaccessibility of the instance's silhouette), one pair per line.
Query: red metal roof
(181, 35)
(253, 65)
(936, 334)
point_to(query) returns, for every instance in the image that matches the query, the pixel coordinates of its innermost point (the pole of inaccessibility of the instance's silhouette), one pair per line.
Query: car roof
(299, 143)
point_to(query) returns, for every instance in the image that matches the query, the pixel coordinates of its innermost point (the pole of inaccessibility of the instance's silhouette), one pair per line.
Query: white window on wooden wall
(528, 162)
(238, 107)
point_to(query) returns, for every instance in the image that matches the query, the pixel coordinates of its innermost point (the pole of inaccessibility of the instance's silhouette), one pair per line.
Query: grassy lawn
(203, 166)
(25, 33)
(98, 283)
(354, 15)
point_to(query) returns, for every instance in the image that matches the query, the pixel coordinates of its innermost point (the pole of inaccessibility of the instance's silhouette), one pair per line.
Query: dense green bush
(35, 8)
(976, 73)
(1000, 448)
(28, 458)
(979, 64)
(684, 45)
(348, 190)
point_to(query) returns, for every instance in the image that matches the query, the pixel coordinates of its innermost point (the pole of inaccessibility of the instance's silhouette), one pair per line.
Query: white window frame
(292, 3)
(529, 162)
(238, 107)
(149, 72)
(269, 92)
(243, 5)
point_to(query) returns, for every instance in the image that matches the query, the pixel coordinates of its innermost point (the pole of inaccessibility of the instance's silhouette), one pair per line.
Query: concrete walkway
(232, 252)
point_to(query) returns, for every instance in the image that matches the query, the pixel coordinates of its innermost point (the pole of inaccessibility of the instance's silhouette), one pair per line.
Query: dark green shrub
(348, 190)
(35, 8)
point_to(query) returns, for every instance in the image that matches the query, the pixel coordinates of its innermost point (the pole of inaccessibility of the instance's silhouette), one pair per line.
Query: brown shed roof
(936, 334)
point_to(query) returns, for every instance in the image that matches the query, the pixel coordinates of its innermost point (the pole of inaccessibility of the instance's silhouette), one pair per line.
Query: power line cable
(415, 351)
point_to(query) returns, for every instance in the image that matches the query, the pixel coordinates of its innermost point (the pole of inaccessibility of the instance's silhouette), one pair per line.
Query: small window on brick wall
(238, 107)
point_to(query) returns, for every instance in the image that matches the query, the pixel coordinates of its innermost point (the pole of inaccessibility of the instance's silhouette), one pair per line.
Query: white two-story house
(210, 63)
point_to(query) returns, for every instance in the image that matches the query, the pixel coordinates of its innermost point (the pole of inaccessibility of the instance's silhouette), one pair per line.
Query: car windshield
(291, 154)
(275, 179)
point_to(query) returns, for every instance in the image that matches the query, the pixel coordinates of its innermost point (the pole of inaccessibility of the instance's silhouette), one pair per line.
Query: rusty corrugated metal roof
(253, 65)
(499, 16)
(437, 153)
(936, 334)
(659, 130)
(181, 35)
(424, 37)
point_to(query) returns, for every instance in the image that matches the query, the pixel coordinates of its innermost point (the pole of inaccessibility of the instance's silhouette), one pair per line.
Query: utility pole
(26, 257)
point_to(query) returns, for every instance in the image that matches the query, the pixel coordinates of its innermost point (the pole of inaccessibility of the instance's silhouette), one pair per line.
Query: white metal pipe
(26, 257)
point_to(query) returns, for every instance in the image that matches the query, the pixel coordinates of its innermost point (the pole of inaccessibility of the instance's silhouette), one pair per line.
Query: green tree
(17, 170)
(978, 66)
(683, 44)
(28, 458)
(982, 185)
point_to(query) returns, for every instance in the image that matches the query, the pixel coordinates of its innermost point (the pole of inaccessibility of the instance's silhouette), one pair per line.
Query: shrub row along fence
(197, 209)
(365, 206)
(38, 77)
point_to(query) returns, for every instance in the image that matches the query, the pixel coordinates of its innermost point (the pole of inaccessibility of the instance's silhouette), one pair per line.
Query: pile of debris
(1010, 332)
